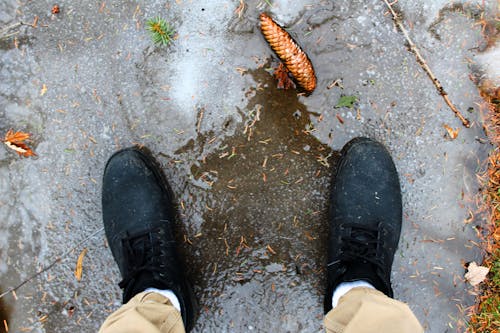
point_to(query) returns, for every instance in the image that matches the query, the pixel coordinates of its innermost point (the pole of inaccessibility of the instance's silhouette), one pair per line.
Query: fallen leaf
(284, 80)
(15, 141)
(346, 101)
(476, 274)
(44, 90)
(79, 265)
(453, 133)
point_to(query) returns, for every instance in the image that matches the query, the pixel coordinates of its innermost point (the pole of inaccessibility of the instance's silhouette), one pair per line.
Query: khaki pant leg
(147, 312)
(365, 310)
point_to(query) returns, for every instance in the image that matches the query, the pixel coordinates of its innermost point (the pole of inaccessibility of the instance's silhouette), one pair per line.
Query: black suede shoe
(365, 218)
(139, 217)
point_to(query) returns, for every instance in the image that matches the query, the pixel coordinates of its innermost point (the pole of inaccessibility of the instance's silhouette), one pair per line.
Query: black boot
(365, 218)
(139, 217)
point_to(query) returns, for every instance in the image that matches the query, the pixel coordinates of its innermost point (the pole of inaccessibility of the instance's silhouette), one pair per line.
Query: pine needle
(161, 32)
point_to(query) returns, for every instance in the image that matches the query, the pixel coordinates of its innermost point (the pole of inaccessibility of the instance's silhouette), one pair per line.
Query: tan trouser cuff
(145, 312)
(365, 310)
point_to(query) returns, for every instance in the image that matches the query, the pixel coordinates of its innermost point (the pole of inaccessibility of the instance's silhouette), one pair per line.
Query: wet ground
(250, 164)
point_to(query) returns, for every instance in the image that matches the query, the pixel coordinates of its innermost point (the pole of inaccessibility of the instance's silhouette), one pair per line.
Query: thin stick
(425, 67)
(10, 27)
(200, 118)
(52, 264)
(9, 35)
(4, 31)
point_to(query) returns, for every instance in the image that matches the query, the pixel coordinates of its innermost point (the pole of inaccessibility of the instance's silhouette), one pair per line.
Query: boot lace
(362, 244)
(144, 252)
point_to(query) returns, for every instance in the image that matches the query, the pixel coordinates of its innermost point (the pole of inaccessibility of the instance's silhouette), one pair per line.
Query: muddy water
(5, 312)
(260, 251)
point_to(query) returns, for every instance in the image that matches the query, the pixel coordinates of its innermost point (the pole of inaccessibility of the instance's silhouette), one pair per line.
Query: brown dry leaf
(476, 274)
(284, 80)
(79, 265)
(453, 133)
(15, 141)
(496, 234)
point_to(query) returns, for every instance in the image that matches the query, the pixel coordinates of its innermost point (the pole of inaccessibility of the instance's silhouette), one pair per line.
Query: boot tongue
(358, 271)
(364, 271)
(144, 281)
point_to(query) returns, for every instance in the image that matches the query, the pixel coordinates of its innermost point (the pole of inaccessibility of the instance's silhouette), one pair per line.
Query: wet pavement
(250, 164)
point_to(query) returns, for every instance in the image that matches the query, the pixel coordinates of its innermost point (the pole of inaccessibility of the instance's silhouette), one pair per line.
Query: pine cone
(289, 52)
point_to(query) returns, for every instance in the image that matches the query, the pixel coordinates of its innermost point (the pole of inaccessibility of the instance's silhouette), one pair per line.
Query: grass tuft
(485, 316)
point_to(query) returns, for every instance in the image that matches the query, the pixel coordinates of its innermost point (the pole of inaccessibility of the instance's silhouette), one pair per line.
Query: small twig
(9, 35)
(10, 27)
(200, 118)
(241, 8)
(52, 264)
(4, 31)
(424, 65)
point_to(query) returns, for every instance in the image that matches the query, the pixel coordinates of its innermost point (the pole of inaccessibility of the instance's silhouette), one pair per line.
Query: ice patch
(198, 69)
(286, 11)
(490, 63)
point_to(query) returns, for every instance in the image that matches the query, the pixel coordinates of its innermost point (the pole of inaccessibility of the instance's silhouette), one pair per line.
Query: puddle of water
(5, 312)
(264, 223)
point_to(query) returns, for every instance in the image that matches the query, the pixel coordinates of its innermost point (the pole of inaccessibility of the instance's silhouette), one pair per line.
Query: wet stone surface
(250, 164)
